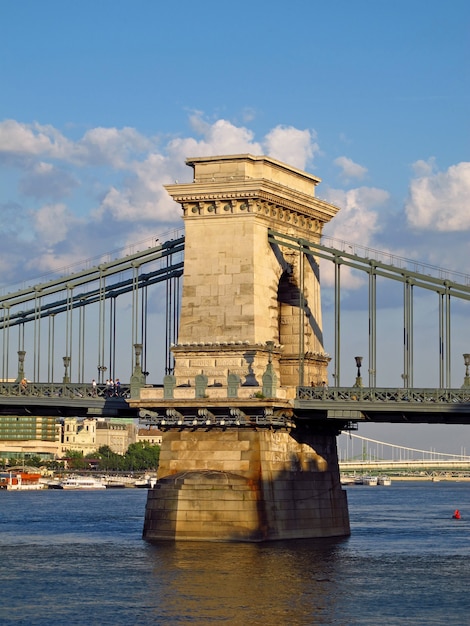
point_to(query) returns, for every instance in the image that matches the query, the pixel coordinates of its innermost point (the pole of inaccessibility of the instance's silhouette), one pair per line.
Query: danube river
(77, 558)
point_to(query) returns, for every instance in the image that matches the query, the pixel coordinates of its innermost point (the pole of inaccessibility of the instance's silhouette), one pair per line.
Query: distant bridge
(427, 466)
(382, 457)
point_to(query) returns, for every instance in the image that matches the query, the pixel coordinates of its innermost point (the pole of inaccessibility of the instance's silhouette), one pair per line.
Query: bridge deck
(359, 404)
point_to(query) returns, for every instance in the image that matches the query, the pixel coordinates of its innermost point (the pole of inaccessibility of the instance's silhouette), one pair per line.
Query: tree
(75, 459)
(109, 460)
(142, 455)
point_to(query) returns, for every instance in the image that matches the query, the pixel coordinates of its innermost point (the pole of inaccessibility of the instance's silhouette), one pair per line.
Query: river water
(78, 558)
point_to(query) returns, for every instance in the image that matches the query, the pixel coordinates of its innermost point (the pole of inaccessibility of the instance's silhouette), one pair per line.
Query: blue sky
(101, 103)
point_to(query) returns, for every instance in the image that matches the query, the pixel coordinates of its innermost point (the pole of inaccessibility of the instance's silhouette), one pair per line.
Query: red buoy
(456, 514)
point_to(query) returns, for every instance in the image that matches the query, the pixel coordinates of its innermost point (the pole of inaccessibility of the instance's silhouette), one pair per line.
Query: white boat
(145, 483)
(81, 482)
(384, 481)
(372, 481)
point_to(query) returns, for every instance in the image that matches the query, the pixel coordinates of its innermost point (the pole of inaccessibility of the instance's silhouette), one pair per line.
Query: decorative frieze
(311, 218)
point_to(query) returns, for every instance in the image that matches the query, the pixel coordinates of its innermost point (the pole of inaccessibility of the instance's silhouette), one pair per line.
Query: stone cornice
(260, 205)
(217, 346)
(254, 188)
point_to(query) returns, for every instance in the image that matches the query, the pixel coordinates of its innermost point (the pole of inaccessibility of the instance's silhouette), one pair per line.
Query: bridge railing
(384, 394)
(62, 390)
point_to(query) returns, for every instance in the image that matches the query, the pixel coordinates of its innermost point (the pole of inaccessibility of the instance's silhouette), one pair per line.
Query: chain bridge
(234, 328)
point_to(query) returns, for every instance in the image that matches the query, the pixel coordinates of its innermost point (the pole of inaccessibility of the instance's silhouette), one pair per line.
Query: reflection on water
(79, 558)
(230, 582)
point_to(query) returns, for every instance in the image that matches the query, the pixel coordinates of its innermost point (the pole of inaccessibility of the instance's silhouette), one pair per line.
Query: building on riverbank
(22, 437)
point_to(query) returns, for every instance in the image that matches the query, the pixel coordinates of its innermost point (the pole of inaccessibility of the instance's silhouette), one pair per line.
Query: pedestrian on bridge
(110, 388)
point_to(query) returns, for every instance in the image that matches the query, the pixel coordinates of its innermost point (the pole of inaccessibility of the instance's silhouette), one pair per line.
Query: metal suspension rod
(101, 326)
(411, 329)
(168, 324)
(37, 337)
(407, 334)
(81, 344)
(441, 340)
(176, 316)
(135, 306)
(337, 321)
(372, 328)
(448, 346)
(69, 328)
(50, 350)
(144, 326)
(301, 319)
(112, 338)
(6, 341)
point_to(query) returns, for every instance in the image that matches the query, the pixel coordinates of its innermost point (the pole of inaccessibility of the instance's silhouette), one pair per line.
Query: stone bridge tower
(247, 303)
(236, 462)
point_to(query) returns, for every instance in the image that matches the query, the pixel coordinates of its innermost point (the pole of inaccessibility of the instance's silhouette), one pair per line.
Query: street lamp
(101, 370)
(358, 382)
(466, 380)
(66, 360)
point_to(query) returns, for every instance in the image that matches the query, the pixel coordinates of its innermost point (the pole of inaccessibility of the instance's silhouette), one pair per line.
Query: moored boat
(145, 483)
(385, 481)
(20, 481)
(372, 481)
(81, 482)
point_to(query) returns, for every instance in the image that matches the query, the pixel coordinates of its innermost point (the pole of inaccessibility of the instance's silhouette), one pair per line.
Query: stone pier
(246, 484)
(237, 463)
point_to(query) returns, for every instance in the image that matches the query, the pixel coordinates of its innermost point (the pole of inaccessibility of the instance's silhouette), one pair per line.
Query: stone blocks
(246, 485)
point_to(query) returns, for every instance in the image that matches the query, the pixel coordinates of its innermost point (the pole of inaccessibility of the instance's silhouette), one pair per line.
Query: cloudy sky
(102, 102)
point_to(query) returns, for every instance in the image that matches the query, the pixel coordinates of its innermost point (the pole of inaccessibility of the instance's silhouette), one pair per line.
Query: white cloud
(112, 146)
(44, 180)
(221, 137)
(291, 145)
(350, 169)
(143, 196)
(356, 223)
(114, 180)
(52, 223)
(18, 139)
(439, 200)
(424, 168)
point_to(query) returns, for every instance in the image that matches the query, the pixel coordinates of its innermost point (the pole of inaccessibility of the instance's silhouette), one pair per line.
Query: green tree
(109, 460)
(143, 455)
(34, 461)
(75, 459)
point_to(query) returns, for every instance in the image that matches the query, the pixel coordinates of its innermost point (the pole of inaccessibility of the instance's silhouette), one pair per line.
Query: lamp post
(66, 360)
(138, 377)
(466, 380)
(21, 357)
(101, 370)
(358, 382)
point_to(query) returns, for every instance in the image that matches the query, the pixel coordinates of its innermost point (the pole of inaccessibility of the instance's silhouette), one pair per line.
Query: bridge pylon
(235, 464)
